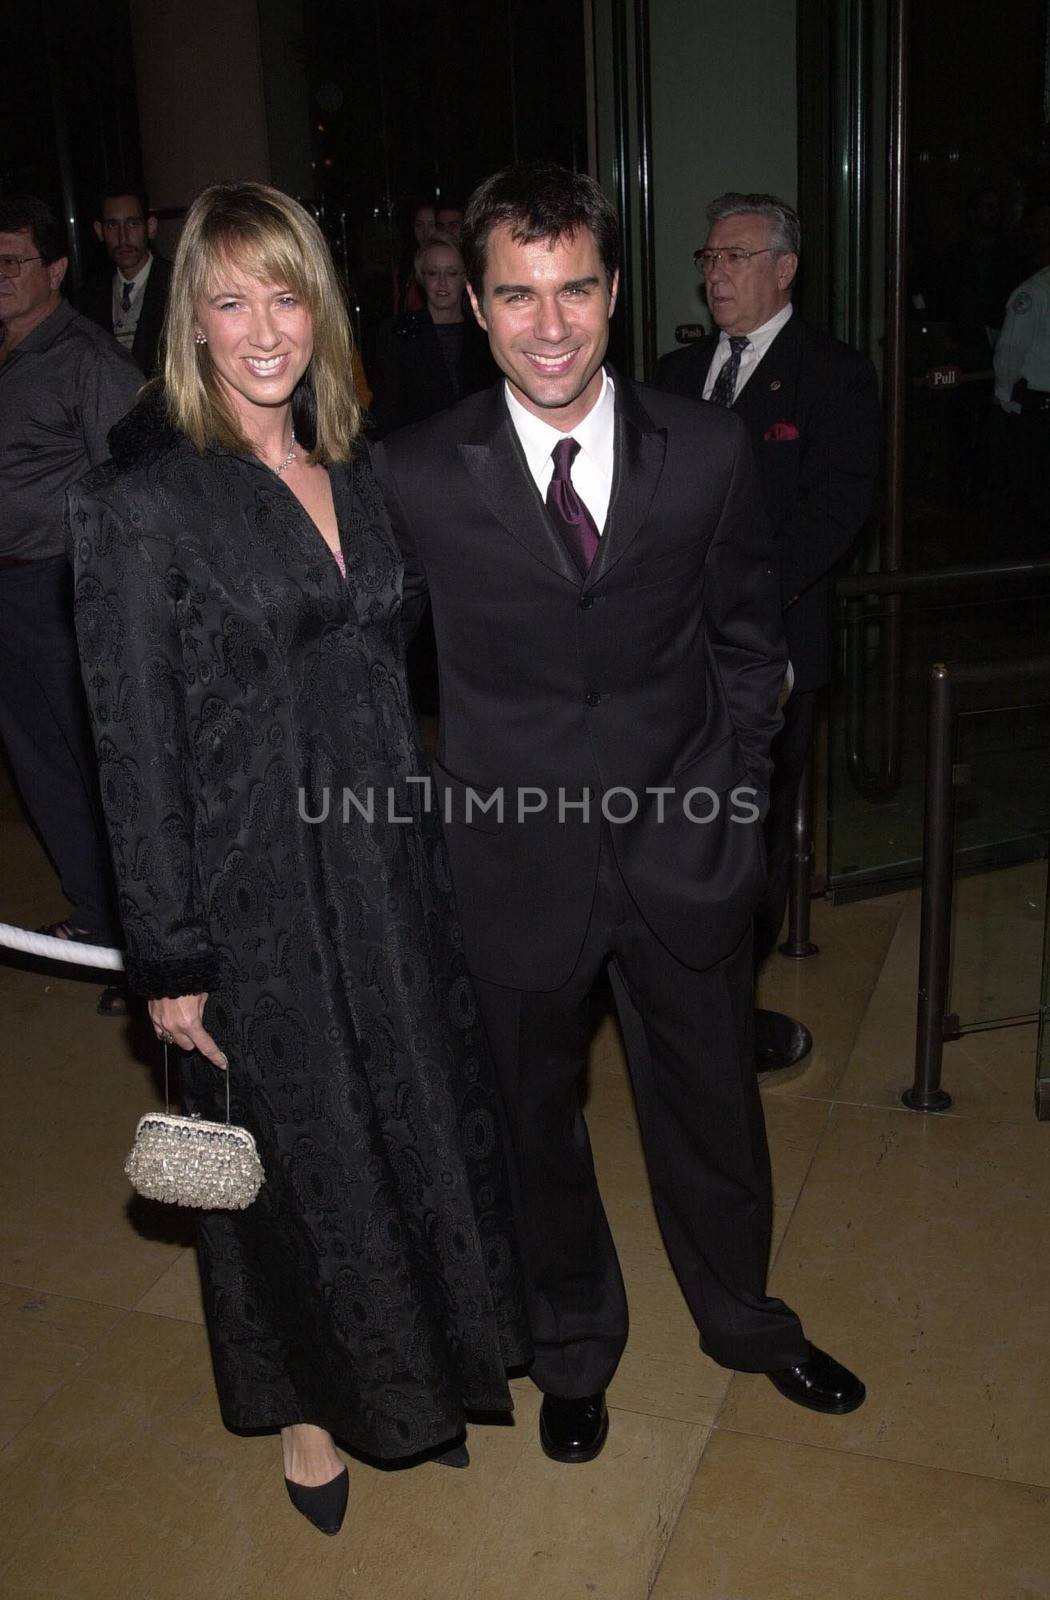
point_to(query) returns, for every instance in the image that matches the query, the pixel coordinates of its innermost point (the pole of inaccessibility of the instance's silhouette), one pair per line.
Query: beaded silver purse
(186, 1161)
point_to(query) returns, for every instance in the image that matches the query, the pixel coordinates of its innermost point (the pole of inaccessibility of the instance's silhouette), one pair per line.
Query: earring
(198, 338)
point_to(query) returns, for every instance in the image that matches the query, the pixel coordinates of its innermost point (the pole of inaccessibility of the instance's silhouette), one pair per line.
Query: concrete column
(198, 68)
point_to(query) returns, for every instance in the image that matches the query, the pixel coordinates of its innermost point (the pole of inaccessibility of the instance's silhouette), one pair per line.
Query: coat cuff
(175, 975)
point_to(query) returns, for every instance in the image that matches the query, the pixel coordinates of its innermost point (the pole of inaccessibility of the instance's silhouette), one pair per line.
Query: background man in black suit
(130, 301)
(611, 650)
(812, 409)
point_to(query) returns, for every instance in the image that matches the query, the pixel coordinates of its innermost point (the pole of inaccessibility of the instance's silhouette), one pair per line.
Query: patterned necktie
(725, 384)
(126, 293)
(568, 512)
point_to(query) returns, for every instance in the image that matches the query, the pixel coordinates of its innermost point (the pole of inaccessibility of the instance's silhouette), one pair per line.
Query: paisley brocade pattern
(373, 1287)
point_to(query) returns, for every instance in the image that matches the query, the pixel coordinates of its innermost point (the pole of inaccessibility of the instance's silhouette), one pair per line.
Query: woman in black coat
(427, 360)
(283, 887)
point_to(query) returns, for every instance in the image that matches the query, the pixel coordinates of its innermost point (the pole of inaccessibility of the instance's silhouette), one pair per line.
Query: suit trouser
(690, 1056)
(789, 754)
(44, 728)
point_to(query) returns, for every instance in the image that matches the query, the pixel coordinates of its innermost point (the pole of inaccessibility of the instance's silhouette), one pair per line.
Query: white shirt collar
(141, 275)
(594, 434)
(592, 471)
(760, 340)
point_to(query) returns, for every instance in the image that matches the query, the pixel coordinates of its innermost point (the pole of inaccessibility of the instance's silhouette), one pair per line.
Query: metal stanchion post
(798, 942)
(938, 847)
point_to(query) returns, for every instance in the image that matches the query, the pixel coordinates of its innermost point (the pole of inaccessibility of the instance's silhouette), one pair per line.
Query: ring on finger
(165, 1037)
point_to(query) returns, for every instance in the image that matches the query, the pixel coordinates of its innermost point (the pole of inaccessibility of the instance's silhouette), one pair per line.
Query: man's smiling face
(546, 307)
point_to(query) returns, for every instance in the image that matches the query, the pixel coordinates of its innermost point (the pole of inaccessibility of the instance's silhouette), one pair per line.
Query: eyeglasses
(11, 266)
(730, 259)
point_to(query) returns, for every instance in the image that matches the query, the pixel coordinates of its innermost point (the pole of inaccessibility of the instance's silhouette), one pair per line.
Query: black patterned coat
(235, 681)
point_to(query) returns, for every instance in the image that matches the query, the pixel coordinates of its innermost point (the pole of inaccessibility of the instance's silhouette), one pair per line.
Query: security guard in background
(1022, 389)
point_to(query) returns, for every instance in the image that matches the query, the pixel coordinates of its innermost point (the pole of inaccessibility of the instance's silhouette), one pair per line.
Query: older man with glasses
(811, 406)
(63, 384)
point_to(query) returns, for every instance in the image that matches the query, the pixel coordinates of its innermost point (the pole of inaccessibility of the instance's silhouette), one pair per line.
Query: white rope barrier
(42, 944)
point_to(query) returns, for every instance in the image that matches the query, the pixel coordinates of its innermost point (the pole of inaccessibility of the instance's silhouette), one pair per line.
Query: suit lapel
(639, 461)
(501, 475)
(770, 393)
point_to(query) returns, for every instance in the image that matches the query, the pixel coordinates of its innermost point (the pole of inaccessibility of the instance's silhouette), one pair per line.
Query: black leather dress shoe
(573, 1430)
(780, 1041)
(820, 1383)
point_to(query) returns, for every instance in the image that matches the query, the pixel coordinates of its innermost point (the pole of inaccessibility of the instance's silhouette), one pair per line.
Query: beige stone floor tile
(917, 1255)
(988, 1074)
(177, 1293)
(73, 1092)
(129, 1472)
(830, 992)
(773, 1521)
(44, 1340)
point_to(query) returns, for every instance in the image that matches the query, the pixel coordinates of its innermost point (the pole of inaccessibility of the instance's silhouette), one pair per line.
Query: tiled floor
(913, 1246)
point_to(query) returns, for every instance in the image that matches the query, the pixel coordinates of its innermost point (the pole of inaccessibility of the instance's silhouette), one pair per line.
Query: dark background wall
(70, 110)
(414, 99)
(976, 109)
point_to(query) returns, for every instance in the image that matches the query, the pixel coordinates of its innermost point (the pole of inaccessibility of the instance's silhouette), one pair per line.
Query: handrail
(856, 584)
(851, 590)
(938, 852)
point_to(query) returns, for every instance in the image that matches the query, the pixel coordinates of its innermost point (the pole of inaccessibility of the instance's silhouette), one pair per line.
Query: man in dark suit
(130, 301)
(811, 407)
(609, 636)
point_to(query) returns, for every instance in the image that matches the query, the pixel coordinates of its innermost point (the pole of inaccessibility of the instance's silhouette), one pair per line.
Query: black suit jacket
(96, 302)
(818, 484)
(410, 375)
(660, 669)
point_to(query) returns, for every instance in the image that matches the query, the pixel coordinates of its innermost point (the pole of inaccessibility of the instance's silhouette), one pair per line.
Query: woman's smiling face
(260, 339)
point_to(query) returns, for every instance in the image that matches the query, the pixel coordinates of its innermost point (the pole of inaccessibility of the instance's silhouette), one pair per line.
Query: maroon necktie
(568, 512)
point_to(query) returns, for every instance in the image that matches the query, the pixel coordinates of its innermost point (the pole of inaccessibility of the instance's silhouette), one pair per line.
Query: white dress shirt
(125, 323)
(592, 470)
(757, 345)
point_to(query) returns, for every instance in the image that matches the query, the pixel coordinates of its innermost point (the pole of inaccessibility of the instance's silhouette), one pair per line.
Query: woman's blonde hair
(437, 237)
(268, 236)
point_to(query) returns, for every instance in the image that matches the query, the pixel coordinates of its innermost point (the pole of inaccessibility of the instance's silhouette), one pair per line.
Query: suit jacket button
(594, 699)
(587, 602)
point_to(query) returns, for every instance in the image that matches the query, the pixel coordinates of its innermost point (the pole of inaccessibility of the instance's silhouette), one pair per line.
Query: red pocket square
(782, 430)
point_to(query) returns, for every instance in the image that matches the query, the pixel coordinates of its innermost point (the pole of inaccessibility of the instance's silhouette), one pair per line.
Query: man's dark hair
(18, 211)
(537, 200)
(120, 186)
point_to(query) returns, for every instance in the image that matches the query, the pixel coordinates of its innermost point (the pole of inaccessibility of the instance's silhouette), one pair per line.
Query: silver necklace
(289, 458)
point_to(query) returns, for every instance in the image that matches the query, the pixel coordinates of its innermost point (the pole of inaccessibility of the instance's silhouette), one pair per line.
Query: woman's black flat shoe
(459, 1456)
(324, 1506)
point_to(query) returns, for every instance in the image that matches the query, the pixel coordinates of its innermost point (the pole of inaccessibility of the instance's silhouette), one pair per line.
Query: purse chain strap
(167, 1096)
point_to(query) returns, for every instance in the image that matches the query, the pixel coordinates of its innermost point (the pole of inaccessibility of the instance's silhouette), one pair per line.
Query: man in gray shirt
(63, 384)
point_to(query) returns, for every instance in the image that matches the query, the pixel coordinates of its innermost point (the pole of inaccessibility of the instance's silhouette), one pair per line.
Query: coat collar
(496, 462)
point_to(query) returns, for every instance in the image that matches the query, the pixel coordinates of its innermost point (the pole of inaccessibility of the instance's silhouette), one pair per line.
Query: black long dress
(236, 681)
